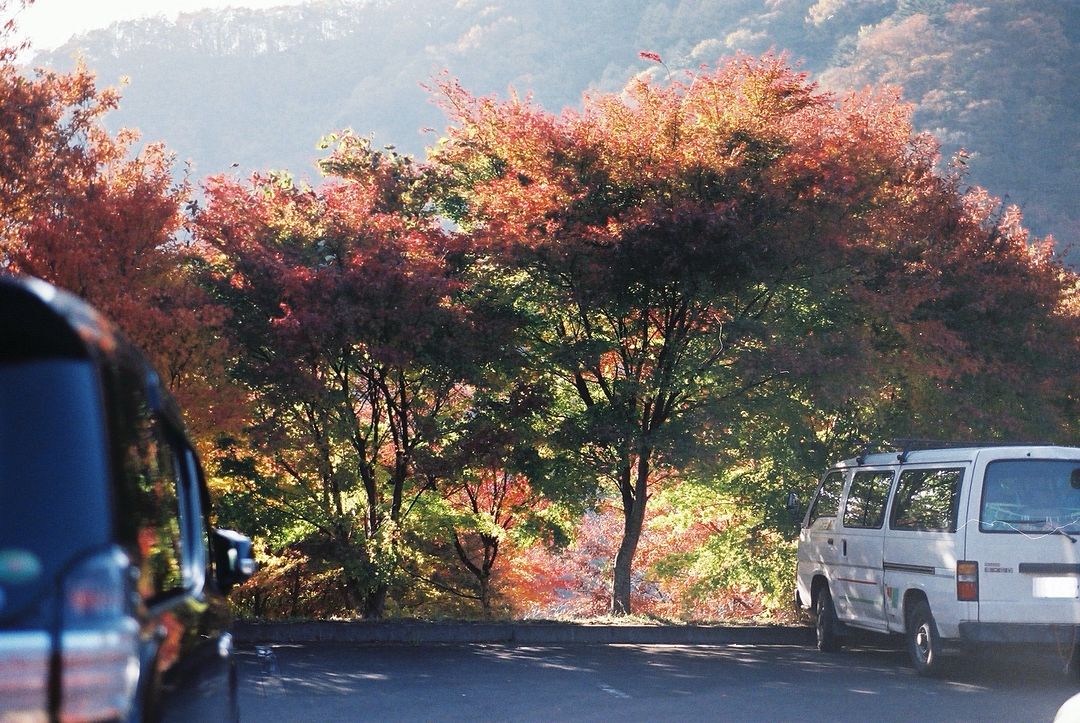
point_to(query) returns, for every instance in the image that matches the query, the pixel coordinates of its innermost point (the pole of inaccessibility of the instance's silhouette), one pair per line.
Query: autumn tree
(349, 342)
(470, 529)
(694, 244)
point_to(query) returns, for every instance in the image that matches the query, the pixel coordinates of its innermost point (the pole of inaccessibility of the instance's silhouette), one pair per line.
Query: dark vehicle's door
(187, 646)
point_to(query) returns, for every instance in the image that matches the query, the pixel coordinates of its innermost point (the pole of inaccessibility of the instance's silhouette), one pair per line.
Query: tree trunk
(624, 558)
(485, 596)
(375, 603)
(354, 593)
(633, 522)
(294, 598)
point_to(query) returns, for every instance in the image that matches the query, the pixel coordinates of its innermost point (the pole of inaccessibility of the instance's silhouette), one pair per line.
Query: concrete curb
(416, 632)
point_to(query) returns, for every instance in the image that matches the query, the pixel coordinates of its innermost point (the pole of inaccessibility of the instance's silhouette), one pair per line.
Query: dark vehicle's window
(53, 473)
(827, 503)
(192, 519)
(865, 507)
(153, 467)
(927, 499)
(1031, 495)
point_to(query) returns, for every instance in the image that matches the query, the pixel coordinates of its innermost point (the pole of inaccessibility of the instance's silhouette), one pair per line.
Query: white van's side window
(827, 504)
(866, 499)
(927, 500)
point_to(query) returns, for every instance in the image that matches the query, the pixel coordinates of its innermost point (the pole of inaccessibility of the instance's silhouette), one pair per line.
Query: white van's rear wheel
(923, 641)
(828, 637)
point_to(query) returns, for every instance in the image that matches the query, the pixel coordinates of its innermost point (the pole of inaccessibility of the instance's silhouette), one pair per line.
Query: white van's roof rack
(903, 447)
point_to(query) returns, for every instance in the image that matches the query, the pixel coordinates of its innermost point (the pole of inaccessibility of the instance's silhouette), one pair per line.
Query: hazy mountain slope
(998, 78)
(258, 89)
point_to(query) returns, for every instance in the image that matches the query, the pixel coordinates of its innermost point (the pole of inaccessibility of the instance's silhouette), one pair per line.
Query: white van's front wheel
(923, 641)
(828, 637)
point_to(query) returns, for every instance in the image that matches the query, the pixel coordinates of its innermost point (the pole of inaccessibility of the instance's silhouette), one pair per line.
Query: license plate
(1059, 587)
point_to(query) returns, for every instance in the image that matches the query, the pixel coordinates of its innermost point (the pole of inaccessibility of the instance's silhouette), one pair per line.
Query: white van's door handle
(845, 548)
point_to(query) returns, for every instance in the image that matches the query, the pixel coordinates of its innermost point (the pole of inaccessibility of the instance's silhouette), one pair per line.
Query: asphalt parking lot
(327, 681)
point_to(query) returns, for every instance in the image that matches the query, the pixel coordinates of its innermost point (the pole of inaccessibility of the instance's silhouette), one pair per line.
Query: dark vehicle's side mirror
(233, 560)
(793, 507)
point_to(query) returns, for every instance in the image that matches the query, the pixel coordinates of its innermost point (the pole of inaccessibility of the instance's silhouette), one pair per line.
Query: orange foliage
(81, 209)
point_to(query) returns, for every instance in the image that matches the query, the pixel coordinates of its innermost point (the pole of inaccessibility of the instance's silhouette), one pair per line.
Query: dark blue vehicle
(112, 579)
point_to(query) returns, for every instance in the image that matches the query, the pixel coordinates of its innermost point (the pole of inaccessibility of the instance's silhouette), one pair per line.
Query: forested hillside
(259, 89)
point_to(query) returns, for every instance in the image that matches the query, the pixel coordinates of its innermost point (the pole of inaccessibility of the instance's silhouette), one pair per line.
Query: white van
(958, 545)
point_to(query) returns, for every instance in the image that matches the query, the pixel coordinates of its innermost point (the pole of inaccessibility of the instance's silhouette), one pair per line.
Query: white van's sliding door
(859, 585)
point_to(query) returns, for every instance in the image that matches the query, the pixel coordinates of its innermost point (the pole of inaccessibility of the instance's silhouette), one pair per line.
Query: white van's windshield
(1031, 496)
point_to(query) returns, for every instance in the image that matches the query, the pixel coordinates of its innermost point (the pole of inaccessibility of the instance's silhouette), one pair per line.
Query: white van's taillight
(967, 581)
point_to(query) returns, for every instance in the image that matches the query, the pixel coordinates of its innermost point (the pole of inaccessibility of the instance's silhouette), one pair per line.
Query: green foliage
(743, 550)
(743, 557)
